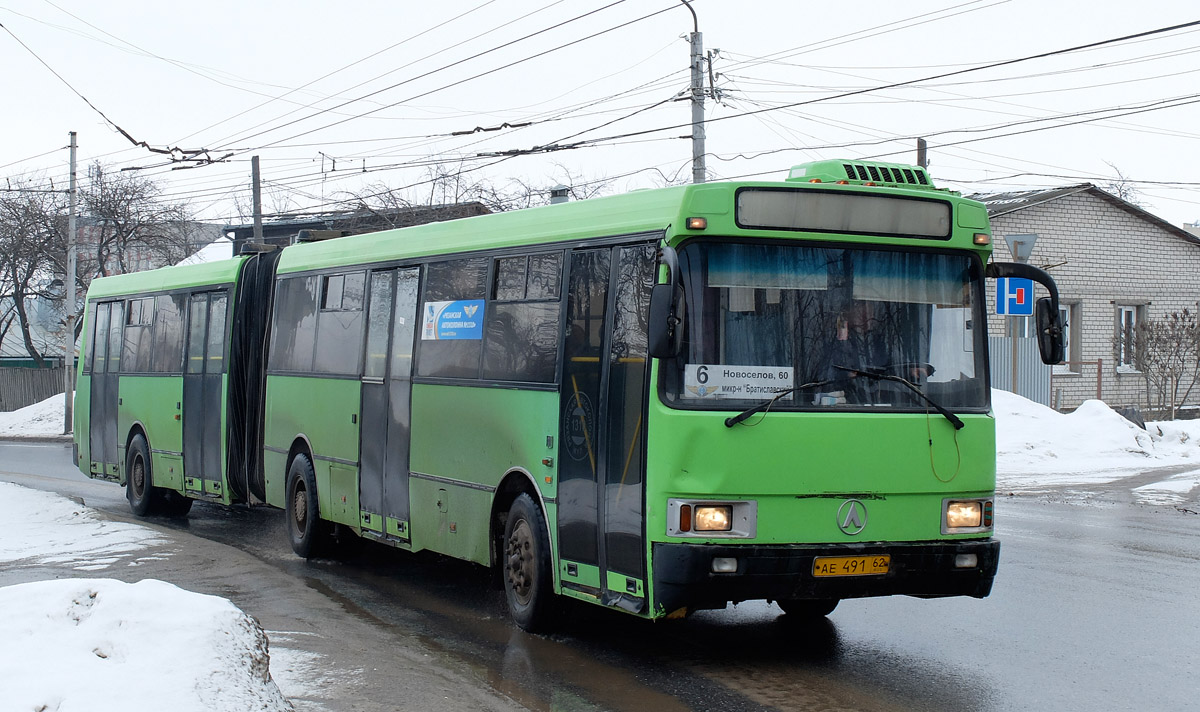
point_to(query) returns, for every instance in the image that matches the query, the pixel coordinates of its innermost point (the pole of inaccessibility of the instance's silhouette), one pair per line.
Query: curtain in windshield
(833, 321)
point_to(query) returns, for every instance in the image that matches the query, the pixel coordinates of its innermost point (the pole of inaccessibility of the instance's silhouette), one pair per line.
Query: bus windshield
(828, 322)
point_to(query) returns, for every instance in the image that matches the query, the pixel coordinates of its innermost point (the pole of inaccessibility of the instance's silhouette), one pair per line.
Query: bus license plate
(851, 565)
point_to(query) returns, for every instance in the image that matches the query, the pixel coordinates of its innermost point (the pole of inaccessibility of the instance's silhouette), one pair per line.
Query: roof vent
(318, 235)
(857, 172)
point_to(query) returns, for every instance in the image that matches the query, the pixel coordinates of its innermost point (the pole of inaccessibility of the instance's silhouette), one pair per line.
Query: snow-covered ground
(37, 420)
(1038, 448)
(101, 644)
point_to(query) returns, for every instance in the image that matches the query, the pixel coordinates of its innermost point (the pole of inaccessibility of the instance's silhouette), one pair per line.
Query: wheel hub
(519, 553)
(138, 476)
(300, 509)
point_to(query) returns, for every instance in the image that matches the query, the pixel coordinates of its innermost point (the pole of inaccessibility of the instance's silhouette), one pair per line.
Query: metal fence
(1033, 376)
(20, 387)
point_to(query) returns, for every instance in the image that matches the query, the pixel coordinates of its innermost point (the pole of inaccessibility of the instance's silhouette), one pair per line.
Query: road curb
(35, 438)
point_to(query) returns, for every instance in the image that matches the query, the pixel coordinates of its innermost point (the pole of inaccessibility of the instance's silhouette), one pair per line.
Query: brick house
(1115, 265)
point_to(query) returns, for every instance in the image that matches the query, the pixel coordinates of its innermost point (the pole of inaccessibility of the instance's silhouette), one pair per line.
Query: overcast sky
(322, 91)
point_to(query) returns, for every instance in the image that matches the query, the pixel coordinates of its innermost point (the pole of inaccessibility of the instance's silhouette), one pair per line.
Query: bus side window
(339, 324)
(295, 325)
(522, 328)
(168, 333)
(116, 325)
(456, 287)
(90, 340)
(138, 336)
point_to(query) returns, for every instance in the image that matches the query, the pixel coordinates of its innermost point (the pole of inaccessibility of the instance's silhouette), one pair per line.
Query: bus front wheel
(139, 489)
(303, 513)
(527, 577)
(808, 609)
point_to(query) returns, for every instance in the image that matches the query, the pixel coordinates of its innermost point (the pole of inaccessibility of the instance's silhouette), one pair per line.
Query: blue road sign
(1014, 296)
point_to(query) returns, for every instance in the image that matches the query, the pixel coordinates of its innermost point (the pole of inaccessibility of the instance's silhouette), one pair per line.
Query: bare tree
(1123, 187)
(1167, 352)
(126, 226)
(448, 186)
(27, 245)
(277, 200)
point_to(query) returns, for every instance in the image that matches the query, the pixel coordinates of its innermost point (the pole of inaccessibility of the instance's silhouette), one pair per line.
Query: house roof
(999, 204)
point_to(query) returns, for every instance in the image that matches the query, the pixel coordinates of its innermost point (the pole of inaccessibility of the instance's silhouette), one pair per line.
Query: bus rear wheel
(527, 579)
(139, 487)
(305, 528)
(808, 609)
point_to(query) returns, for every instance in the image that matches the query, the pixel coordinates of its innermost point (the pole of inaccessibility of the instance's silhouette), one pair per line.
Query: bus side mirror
(1049, 331)
(665, 337)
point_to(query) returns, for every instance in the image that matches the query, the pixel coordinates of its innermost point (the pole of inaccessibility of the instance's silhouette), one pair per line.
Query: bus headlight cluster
(714, 518)
(691, 518)
(965, 516)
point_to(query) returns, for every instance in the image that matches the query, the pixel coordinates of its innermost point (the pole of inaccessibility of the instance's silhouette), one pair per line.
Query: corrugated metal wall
(1033, 376)
(20, 387)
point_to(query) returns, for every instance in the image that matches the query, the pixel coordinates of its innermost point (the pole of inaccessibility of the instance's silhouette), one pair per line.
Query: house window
(1128, 317)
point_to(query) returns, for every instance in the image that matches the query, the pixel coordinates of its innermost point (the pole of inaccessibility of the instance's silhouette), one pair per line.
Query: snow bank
(47, 528)
(104, 645)
(39, 419)
(1038, 445)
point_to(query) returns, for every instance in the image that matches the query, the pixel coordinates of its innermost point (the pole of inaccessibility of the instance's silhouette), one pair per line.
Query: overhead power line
(421, 76)
(893, 85)
(198, 155)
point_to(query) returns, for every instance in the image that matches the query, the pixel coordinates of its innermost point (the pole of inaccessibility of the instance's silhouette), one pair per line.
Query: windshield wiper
(765, 405)
(881, 376)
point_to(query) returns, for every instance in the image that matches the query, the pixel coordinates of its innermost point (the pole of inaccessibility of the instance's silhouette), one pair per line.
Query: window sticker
(721, 381)
(445, 321)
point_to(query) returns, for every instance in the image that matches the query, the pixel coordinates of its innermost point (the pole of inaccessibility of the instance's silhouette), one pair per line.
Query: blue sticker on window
(462, 319)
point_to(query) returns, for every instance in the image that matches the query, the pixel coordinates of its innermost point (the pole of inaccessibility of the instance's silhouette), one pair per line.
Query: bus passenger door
(106, 365)
(386, 403)
(202, 389)
(601, 519)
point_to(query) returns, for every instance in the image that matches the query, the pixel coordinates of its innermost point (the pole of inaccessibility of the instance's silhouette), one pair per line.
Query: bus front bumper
(684, 576)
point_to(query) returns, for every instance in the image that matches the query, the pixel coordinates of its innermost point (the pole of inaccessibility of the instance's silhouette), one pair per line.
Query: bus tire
(139, 487)
(528, 583)
(305, 528)
(808, 609)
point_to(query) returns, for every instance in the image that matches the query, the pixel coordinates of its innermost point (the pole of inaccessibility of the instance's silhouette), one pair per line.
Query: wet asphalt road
(1096, 607)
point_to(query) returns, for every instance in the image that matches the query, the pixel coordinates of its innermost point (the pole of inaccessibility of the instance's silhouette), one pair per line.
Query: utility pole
(257, 191)
(69, 307)
(697, 59)
(922, 156)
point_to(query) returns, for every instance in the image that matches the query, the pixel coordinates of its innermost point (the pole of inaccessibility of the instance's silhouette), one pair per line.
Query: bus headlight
(737, 519)
(962, 516)
(714, 518)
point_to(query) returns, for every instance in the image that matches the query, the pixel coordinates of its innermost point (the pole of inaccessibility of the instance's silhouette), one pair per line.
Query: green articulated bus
(658, 402)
